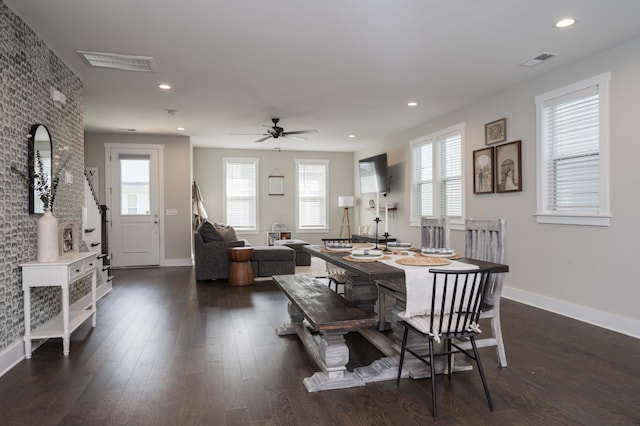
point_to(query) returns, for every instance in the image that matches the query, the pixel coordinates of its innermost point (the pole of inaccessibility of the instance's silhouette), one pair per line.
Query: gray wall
(177, 186)
(581, 271)
(207, 172)
(28, 70)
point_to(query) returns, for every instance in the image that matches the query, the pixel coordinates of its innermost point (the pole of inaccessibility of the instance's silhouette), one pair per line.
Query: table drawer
(81, 267)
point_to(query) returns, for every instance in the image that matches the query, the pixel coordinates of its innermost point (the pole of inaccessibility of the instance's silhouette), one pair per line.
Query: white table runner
(419, 281)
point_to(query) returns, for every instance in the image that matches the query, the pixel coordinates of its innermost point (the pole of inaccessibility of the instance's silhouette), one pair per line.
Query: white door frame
(108, 147)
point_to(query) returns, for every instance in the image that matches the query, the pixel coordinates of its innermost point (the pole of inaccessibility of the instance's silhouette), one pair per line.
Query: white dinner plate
(367, 257)
(340, 249)
(399, 248)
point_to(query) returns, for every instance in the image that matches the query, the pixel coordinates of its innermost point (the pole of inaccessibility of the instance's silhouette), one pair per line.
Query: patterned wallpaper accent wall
(28, 72)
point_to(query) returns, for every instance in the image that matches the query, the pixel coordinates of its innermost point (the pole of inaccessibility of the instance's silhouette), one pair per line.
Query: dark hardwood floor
(171, 351)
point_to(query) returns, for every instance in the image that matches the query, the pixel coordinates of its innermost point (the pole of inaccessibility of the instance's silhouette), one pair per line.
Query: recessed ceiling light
(164, 86)
(351, 136)
(412, 104)
(564, 23)
(181, 128)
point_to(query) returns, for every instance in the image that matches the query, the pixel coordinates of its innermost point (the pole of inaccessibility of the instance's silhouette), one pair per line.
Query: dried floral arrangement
(39, 180)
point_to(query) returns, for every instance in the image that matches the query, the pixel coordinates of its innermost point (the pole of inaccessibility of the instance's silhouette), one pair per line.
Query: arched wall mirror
(39, 143)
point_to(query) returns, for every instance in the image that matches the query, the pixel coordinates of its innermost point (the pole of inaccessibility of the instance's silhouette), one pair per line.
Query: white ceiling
(339, 66)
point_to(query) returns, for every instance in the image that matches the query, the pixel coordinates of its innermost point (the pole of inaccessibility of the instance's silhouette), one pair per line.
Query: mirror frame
(31, 162)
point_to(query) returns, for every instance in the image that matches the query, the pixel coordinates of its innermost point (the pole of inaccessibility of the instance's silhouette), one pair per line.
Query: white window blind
(241, 190)
(573, 153)
(437, 175)
(311, 194)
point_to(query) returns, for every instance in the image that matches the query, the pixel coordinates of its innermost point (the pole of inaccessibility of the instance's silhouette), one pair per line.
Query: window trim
(543, 215)
(457, 224)
(250, 160)
(298, 162)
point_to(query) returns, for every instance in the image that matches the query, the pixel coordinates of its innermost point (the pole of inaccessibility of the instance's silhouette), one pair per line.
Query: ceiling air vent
(119, 62)
(538, 59)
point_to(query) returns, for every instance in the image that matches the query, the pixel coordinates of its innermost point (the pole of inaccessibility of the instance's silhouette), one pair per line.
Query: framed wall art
(495, 132)
(483, 171)
(509, 167)
(276, 183)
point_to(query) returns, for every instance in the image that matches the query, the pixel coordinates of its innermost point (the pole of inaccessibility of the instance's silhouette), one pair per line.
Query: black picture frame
(483, 171)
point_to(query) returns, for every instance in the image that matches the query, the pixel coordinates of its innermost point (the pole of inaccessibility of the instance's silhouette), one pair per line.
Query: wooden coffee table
(241, 272)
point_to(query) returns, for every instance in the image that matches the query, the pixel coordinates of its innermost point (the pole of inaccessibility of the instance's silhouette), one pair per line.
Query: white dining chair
(486, 240)
(435, 232)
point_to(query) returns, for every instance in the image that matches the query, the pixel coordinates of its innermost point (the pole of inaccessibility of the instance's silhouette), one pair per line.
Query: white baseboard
(11, 356)
(177, 262)
(617, 323)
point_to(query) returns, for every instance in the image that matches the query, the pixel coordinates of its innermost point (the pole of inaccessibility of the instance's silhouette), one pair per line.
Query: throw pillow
(208, 232)
(226, 233)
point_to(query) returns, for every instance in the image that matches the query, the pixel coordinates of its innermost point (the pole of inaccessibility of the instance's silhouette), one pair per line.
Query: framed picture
(68, 238)
(276, 185)
(495, 132)
(483, 171)
(509, 167)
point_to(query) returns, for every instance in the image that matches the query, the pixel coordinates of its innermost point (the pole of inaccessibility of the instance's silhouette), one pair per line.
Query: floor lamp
(345, 202)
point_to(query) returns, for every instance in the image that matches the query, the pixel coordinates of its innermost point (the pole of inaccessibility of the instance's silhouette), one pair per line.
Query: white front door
(135, 213)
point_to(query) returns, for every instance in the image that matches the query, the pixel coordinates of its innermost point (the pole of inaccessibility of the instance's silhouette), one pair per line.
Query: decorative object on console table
(509, 167)
(495, 132)
(483, 171)
(47, 238)
(68, 238)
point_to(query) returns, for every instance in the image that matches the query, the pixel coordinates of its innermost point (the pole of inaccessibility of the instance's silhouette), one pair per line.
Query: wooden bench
(330, 317)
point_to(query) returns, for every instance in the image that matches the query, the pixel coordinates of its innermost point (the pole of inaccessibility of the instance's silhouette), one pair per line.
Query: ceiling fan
(276, 132)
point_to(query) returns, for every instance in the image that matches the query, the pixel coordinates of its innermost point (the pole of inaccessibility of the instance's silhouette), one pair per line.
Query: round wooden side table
(241, 272)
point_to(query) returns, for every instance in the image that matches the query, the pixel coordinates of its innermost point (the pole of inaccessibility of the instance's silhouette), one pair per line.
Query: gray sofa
(212, 259)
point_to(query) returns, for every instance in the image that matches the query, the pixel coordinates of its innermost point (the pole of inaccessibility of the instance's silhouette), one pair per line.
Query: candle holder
(386, 241)
(377, 221)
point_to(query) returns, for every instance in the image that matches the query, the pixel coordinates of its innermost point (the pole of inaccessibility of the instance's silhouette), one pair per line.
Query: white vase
(47, 240)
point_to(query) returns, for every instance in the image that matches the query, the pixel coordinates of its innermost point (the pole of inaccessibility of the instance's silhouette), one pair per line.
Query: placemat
(420, 260)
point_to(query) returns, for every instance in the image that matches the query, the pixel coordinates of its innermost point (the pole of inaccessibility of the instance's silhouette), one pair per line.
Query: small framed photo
(495, 132)
(483, 171)
(509, 167)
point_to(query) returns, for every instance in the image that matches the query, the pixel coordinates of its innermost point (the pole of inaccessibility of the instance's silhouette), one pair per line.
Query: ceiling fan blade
(290, 136)
(300, 132)
(264, 139)
(248, 134)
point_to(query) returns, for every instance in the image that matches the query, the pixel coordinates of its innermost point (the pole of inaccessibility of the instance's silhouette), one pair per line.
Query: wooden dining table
(364, 279)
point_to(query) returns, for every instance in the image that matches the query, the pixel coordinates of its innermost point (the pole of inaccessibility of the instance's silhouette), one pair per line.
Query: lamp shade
(345, 201)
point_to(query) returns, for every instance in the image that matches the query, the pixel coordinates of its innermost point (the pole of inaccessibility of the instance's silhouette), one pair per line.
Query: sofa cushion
(208, 232)
(273, 253)
(214, 232)
(226, 233)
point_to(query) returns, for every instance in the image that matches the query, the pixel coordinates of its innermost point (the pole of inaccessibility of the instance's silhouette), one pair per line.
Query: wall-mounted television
(374, 174)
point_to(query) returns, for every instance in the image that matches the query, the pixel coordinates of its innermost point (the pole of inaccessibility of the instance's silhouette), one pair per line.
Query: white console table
(70, 268)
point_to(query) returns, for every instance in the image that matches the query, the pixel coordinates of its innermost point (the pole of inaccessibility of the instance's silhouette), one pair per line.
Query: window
(573, 153)
(241, 193)
(134, 178)
(311, 195)
(436, 176)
